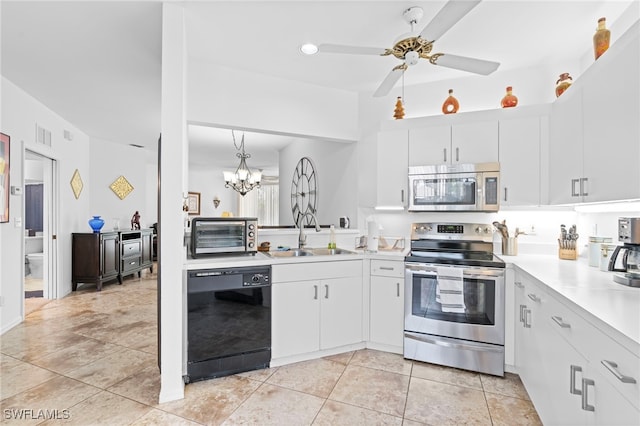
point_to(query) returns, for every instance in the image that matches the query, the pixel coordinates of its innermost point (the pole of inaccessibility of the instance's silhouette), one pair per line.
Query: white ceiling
(97, 64)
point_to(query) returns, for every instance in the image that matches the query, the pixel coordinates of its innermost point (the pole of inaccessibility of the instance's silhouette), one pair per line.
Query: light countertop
(611, 307)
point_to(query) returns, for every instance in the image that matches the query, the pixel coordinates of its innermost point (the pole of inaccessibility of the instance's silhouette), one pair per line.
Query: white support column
(173, 171)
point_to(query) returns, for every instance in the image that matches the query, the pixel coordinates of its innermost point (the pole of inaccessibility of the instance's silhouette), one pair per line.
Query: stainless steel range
(454, 297)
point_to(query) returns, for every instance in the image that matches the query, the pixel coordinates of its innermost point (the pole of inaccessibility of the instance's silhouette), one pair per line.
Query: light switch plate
(16, 190)
(18, 222)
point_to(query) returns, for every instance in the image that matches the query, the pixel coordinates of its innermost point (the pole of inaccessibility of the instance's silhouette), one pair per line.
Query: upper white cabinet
(391, 173)
(521, 141)
(454, 143)
(594, 150)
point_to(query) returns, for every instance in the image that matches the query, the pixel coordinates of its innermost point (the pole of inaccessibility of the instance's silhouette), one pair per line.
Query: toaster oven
(211, 236)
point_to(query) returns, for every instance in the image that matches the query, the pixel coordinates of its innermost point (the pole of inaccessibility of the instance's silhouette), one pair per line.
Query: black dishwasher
(228, 321)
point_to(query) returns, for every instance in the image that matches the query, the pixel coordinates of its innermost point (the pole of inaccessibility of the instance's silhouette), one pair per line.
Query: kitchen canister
(510, 246)
(606, 250)
(594, 249)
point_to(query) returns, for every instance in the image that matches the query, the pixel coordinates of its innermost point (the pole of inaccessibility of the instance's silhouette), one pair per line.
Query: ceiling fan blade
(478, 66)
(389, 81)
(451, 12)
(351, 50)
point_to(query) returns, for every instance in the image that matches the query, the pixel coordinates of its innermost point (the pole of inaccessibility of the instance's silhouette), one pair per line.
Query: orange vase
(398, 113)
(509, 100)
(450, 105)
(601, 38)
(563, 83)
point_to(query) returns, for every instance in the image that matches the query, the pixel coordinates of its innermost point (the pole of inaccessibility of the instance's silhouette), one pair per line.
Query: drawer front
(613, 361)
(315, 271)
(387, 268)
(131, 264)
(131, 248)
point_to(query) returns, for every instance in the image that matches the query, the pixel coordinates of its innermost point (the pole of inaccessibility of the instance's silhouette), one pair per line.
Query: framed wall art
(193, 203)
(5, 187)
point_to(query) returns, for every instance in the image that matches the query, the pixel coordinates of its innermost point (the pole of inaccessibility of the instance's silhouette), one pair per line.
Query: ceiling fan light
(309, 49)
(411, 57)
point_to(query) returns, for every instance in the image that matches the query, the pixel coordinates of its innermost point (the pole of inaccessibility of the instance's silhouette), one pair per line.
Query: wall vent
(43, 136)
(68, 135)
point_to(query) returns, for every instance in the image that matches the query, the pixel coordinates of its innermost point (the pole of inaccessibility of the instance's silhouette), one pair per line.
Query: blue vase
(96, 224)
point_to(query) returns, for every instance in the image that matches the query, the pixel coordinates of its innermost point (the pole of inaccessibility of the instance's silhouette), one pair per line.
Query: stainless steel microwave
(461, 187)
(212, 236)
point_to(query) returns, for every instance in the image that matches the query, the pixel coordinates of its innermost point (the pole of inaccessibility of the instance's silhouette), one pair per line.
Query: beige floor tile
(509, 385)
(386, 361)
(159, 417)
(104, 408)
(316, 377)
(59, 394)
(452, 376)
(143, 386)
(212, 401)
(76, 356)
(373, 389)
(14, 374)
(337, 413)
(33, 304)
(45, 345)
(511, 411)
(259, 375)
(407, 422)
(342, 358)
(113, 368)
(273, 405)
(438, 403)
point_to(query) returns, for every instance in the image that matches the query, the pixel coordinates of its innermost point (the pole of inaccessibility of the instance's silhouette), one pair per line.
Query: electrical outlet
(17, 222)
(532, 230)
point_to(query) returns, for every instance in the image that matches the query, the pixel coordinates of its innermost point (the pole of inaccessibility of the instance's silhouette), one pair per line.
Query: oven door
(450, 191)
(479, 314)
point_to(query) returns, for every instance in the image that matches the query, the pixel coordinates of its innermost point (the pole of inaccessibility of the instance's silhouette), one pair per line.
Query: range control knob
(479, 230)
(256, 278)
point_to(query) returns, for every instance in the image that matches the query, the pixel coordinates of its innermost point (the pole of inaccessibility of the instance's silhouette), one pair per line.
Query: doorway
(40, 224)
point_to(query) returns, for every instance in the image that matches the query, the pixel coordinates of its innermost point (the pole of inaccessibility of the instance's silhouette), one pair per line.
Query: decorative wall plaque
(76, 184)
(121, 187)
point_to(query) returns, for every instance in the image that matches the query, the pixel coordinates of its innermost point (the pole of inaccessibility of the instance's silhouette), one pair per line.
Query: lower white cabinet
(314, 308)
(386, 321)
(559, 356)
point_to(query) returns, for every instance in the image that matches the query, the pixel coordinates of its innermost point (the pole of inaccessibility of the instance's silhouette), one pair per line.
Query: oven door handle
(430, 271)
(451, 343)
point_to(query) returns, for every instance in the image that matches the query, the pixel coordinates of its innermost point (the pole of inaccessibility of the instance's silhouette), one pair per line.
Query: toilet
(35, 261)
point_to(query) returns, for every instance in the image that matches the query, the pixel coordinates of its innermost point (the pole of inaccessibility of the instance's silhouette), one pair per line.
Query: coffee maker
(625, 260)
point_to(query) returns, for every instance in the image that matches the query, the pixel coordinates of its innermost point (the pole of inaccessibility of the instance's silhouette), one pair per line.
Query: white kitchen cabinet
(458, 143)
(520, 166)
(594, 133)
(386, 322)
(315, 306)
(391, 173)
(559, 358)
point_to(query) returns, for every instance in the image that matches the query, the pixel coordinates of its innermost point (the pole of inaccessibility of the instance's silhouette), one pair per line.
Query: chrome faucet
(302, 238)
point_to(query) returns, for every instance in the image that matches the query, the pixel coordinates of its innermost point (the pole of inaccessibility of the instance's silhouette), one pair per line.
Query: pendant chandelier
(243, 179)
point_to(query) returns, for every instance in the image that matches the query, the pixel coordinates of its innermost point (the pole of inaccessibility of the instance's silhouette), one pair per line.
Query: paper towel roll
(373, 231)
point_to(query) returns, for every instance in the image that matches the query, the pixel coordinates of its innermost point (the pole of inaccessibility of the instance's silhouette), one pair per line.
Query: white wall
(209, 182)
(336, 168)
(20, 113)
(110, 160)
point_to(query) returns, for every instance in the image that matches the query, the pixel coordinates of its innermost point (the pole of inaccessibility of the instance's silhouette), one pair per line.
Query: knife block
(568, 254)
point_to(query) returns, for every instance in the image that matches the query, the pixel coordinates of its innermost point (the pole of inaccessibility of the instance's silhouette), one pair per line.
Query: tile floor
(90, 358)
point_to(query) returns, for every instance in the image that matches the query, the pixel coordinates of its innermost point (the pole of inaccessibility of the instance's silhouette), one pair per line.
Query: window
(263, 203)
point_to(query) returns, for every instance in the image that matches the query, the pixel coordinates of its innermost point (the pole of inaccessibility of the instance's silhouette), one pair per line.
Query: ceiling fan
(412, 46)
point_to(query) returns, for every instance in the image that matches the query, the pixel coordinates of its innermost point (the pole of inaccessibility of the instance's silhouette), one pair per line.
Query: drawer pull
(585, 395)
(558, 320)
(533, 297)
(572, 380)
(398, 289)
(326, 294)
(613, 368)
(527, 313)
(519, 284)
(386, 268)
(132, 263)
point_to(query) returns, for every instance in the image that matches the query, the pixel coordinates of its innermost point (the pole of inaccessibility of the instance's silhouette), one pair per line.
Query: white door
(387, 310)
(295, 318)
(340, 312)
(430, 145)
(473, 143)
(392, 161)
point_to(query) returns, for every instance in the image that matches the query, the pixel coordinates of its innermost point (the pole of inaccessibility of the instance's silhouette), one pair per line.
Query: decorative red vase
(450, 105)
(563, 83)
(509, 100)
(601, 38)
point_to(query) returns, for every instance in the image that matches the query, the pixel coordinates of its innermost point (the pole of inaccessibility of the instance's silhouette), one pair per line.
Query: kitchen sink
(308, 252)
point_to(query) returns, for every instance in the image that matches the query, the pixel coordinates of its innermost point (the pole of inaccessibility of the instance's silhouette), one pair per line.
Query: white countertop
(611, 307)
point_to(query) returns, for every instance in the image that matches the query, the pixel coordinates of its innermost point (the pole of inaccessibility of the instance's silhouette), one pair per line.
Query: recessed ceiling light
(309, 49)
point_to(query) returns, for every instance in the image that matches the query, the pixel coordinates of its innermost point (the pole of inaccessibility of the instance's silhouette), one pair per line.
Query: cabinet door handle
(575, 192)
(386, 268)
(505, 193)
(398, 289)
(584, 190)
(402, 196)
(457, 154)
(533, 297)
(445, 154)
(572, 380)
(522, 308)
(527, 313)
(518, 284)
(613, 368)
(326, 291)
(585, 394)
(315, 295)
(558, 320)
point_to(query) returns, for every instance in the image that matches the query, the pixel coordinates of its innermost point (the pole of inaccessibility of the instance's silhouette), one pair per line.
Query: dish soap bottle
(332, 237)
